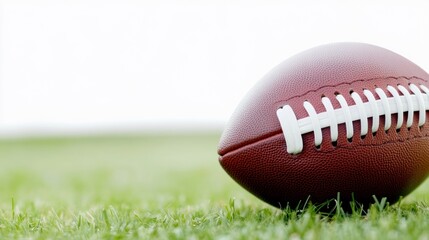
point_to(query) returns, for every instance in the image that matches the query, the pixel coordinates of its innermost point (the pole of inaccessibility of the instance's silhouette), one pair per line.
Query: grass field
(163, 187)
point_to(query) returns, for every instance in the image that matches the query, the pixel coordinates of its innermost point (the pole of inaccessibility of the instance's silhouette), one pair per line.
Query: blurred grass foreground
(162, 186)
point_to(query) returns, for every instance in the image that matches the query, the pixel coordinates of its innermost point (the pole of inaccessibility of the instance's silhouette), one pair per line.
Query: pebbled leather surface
(391, 170)
(390, 164)
(327, 65)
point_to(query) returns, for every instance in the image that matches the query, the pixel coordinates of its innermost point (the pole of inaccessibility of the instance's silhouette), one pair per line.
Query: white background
(88, 66)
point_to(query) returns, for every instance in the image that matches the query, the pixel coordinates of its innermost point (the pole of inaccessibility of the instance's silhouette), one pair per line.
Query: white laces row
(406, 102)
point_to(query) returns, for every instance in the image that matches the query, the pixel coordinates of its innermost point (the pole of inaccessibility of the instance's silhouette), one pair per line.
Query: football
(343, 119)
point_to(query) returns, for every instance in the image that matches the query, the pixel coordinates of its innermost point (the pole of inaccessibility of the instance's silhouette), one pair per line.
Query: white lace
(294, 128)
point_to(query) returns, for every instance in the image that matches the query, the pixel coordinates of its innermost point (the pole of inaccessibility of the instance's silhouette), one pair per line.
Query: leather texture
(388, 164)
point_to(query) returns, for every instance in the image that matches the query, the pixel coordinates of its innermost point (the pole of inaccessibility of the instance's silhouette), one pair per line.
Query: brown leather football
(346, 118)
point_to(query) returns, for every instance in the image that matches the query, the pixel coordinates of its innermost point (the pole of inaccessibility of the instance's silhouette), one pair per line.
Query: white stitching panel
(314, 122)
(291, 129)
(347, 115)
(421, 101)
(332, 119)
(362, 113)
(374, 110)
(409, 105)
(399, 106)
(386, 107)
(294, 128)
(426, 90)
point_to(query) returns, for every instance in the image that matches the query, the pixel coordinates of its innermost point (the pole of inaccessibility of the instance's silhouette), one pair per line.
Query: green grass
(167, 187)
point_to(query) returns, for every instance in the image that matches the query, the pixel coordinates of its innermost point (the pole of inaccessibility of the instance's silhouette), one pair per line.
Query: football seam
(350, 83)
(350, 146)
(223, 152)
(274, 134)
